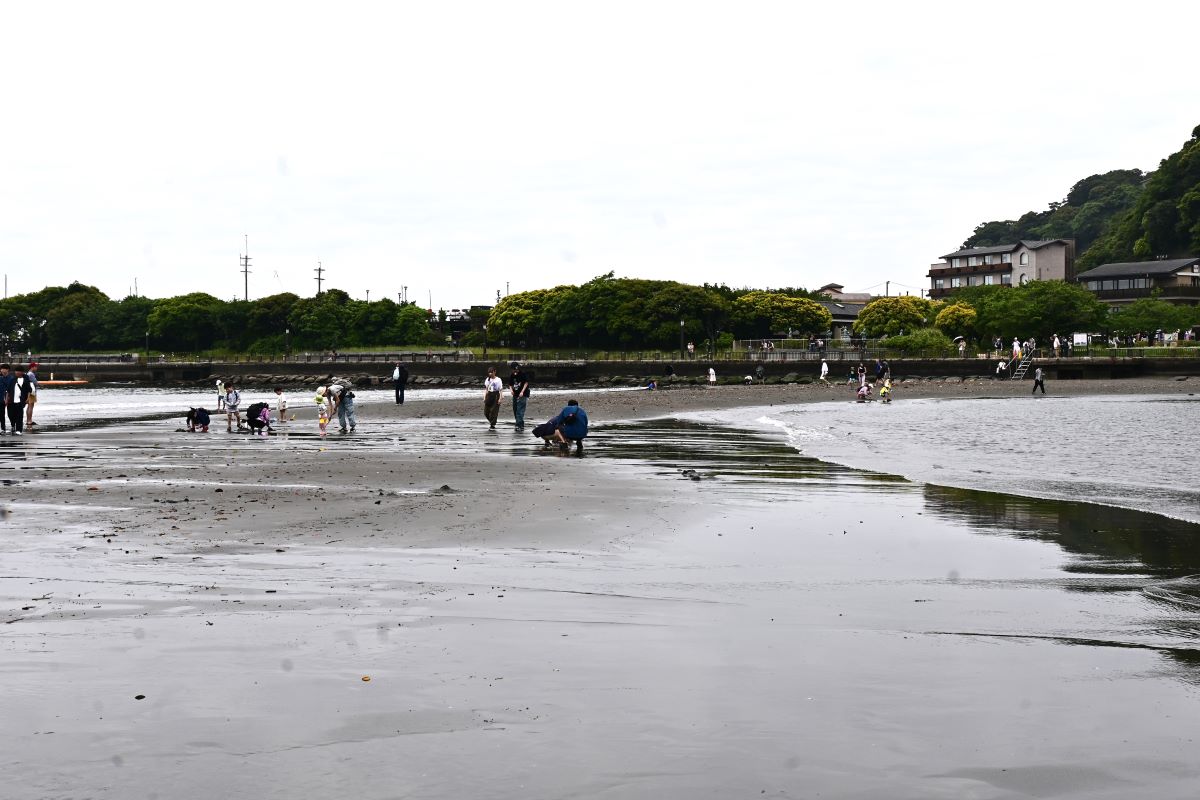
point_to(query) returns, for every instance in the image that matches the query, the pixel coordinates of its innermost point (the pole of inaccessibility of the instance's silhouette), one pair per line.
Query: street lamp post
(681, 340)
(287, 342)
(485, 342)
(147, 347)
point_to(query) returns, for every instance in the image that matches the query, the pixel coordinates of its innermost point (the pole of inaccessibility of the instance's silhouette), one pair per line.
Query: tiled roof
(1030, 244)
(1137, 268)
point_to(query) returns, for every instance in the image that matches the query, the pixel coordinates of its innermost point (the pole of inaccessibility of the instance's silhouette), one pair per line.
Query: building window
(972, 261)
(989, 280)
(1006, 279)
(939, 283)
(956, 262)
(1093, 286)
(955, 282)
(1024, 259)
(1006, 258)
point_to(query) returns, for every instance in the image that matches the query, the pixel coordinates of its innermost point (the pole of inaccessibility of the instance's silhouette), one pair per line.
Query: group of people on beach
(569, 426)
(18, 392)
(334, 398)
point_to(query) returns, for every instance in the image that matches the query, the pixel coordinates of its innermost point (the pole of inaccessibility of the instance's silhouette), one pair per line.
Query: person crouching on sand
(198, 418)
(573, 427)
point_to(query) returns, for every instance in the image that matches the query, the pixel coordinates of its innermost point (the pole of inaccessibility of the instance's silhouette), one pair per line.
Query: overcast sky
(462, 148)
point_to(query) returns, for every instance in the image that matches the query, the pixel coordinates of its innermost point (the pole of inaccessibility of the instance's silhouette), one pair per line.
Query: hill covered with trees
(1122, 215)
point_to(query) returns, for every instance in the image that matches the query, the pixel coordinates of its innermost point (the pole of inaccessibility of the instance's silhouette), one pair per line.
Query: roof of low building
(1029, 244)
(842, 309)
(1138, 268)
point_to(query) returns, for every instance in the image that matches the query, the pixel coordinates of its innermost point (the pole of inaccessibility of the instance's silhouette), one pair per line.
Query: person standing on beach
(322, 410)
(15, 398)
(1037, 381)
(862, 375)
(1016, 349)
(824, 371)
(712, 377)
(399, 379)
(233, 398)
(519, 385)
(492, 387)
(220, 395)
(31, 373)
(6, 388)
(281, 407)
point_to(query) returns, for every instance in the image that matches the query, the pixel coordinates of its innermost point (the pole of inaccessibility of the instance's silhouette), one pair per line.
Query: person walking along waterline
(519, 384)
(1037, 381)
(492, 387)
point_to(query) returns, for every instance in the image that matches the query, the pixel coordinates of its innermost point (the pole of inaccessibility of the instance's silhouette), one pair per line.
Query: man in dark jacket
(519, 383)
(18, 394)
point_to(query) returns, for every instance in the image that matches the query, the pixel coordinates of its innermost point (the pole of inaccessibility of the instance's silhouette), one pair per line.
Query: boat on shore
(62, 383)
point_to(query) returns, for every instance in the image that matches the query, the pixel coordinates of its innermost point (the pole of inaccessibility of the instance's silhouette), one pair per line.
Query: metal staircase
(1023, 367)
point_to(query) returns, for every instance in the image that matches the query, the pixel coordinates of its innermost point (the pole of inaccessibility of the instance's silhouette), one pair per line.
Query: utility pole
(246, 268)
(887, 288)
(320, 271)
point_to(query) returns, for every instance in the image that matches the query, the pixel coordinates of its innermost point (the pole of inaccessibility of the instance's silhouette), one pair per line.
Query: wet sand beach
(428, 609)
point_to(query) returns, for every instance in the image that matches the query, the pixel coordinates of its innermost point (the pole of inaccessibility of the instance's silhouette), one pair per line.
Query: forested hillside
(1122, 215)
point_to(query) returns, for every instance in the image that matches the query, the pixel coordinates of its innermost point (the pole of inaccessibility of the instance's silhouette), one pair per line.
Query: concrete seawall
(587, 372)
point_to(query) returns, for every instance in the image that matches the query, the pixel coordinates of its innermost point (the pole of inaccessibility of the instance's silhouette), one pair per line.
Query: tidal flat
(428, 609)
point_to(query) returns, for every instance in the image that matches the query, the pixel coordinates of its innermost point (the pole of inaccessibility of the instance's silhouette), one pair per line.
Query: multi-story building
(1173, 280)
(1003, 265)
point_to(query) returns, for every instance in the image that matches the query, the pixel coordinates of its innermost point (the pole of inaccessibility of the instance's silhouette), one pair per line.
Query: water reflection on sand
(747, 621)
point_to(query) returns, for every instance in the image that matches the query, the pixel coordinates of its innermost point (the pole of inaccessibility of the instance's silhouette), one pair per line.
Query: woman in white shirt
(492, 387)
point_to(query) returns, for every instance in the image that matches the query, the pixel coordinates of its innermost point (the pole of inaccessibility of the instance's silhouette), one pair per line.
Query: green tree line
(80, 317)
(615, 313)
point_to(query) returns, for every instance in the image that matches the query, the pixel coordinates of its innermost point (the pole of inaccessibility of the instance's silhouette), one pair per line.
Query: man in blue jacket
(573, 426)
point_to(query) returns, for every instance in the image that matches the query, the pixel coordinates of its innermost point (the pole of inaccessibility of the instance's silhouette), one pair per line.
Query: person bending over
(572, 427)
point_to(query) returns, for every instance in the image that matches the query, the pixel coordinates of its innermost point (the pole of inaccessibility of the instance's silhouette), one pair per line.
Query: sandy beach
(428, 609)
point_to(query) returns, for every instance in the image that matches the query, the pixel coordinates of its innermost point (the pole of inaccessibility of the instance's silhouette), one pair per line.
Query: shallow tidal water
(773, 625)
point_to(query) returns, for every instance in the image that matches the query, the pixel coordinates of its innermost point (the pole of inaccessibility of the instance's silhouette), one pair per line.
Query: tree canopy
(891, 316)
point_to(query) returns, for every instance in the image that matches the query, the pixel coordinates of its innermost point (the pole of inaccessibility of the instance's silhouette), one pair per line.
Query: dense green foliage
(1122, 215)
(608, 312)
(1165, 220)
(893, 316)
(957, 319)
(1090, 210)
(1039, 309)
(1149, 315)
(79, 317)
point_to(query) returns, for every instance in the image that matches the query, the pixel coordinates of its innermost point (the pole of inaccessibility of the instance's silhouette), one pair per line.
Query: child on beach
(885, 393)
(281, 405)
(322, 410)
(232, 399)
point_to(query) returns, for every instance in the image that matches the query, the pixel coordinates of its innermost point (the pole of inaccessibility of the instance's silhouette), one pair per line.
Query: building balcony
(1187, 295)
(936, 271)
